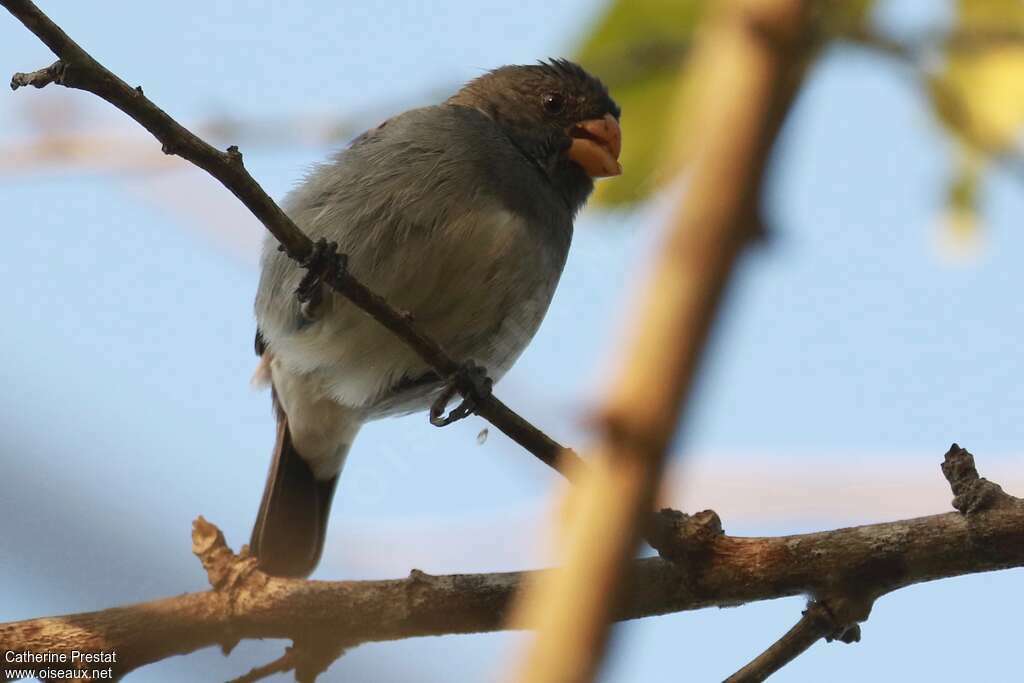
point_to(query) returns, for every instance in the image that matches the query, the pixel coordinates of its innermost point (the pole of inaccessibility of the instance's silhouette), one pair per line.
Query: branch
(76, 69)
(836, 617)
(915, 57)
(916, 49)
(816, 622)
(282, 664)
(871, 560)
(752, 60)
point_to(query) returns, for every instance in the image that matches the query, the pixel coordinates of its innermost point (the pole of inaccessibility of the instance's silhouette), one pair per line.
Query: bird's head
(559, 115)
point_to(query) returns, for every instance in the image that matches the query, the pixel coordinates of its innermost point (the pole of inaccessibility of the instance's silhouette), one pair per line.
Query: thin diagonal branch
(282, 664)
(78, 70)
(815, 623)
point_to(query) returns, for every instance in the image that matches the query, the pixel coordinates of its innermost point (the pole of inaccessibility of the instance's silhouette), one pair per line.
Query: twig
(308, 658)
(972, 493)
(78, 70)
(913, 56)
(282, 664)
(916, 49)
(753, 60)
(868, 560)
(815, 623)
(836, 618)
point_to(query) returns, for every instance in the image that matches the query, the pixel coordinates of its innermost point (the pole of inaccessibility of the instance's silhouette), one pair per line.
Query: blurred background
(881, 321)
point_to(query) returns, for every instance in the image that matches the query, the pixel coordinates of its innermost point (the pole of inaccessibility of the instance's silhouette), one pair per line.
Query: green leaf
(639, 48)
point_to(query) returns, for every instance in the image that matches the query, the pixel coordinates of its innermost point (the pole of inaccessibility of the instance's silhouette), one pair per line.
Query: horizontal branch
(78, 70)
(872, 560)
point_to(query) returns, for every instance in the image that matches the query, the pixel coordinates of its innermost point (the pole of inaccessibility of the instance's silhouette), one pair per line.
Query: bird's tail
(289, 533)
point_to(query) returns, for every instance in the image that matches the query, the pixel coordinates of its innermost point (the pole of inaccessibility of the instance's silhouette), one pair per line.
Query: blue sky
(847, 341)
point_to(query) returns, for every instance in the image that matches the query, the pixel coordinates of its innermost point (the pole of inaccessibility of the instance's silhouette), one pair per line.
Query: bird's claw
(323, 265)
(472, 382)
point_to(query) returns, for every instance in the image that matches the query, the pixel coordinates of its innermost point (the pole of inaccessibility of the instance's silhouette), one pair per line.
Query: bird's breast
(492, 275)
(479, 284)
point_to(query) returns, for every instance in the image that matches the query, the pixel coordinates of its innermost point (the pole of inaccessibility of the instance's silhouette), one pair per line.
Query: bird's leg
(323, 264)
(472, 382)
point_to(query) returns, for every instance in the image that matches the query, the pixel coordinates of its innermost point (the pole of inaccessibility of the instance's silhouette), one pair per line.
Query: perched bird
(459, 213)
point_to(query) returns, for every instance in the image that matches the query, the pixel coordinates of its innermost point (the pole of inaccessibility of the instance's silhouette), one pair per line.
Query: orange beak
(596, 144)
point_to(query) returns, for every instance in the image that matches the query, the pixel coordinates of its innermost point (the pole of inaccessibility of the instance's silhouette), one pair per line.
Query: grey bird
(461, 214)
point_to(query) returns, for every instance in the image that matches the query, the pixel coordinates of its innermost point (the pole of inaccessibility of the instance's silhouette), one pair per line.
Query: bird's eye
(554, 103)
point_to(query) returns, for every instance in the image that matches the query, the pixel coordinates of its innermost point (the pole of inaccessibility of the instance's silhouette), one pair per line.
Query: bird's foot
(472, 382)
(323, 265)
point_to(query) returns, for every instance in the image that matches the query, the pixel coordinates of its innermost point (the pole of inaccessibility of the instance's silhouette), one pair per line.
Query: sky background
(852, 350)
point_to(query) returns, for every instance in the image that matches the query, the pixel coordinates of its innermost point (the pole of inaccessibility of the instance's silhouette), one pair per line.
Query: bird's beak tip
(596, 145)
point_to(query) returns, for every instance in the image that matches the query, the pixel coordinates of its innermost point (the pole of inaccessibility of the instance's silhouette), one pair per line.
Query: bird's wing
(421, 207)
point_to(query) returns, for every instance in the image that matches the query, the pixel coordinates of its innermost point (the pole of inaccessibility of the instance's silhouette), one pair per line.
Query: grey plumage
(450, 214)
(442, 215)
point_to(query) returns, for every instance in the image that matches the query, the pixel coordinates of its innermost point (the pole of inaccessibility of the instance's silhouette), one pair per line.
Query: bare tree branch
(750, 64)
(835, 617)
(282, 664)
(307, 659)
(866, 561)
(815, 623)
(76, 69)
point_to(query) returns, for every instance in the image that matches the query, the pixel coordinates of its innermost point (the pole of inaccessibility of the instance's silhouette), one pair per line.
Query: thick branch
(736, 570)
(868, 560)
(77, 69)
(752, 57)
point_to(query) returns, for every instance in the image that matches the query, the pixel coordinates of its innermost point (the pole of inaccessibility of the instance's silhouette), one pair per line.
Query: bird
(460, 214)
